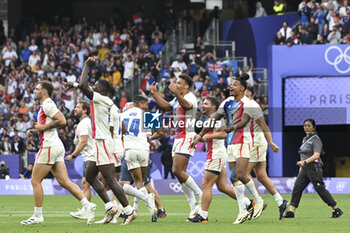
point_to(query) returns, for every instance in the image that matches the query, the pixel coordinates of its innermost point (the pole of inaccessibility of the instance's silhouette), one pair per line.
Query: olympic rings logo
(342, 56)
(176, 187)
(195, 169)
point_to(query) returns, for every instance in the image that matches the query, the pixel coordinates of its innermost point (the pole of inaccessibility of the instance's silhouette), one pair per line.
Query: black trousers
(311, 172)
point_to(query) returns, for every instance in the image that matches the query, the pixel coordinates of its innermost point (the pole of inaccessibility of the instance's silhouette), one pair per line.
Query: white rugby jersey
(84, 129)
(216, 147)
(49, 137)
(184, 121)
(234, 112)
(135, 136)
(100, 116)
(116, 122)
(258, 137)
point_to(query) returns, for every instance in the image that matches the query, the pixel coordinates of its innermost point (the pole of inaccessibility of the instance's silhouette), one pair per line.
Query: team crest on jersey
(151, 120)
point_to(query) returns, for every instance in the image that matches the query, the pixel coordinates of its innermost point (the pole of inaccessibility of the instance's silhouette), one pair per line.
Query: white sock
(189, 196)
(108, 205)
(196, 190)
(115, 203)
(246, 201)
(144, 190)
(110, 194)
(128, 210)
(131, 191)
(85, 203)
(203, 213)
(239, 190)
(251, 187)
(278, 198)
(38, 211)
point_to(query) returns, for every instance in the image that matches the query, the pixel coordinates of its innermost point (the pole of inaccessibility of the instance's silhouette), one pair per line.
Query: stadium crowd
(321, 22)
(56, 52)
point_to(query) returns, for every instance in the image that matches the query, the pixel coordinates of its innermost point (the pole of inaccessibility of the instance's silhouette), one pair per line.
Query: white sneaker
(258, 208)
(114, 220)
(90, 213)
(151, 203)
(33, 220)
(80, 214)
(242, 216)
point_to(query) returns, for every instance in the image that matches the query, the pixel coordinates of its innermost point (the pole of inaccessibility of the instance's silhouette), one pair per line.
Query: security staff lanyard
(306, 142)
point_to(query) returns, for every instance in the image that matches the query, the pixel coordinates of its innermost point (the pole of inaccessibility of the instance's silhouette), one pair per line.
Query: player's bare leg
(189, 187)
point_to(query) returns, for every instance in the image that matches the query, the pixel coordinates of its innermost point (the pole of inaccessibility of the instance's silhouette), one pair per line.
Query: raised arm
(163, 104)
(182, 101)
(84, 79)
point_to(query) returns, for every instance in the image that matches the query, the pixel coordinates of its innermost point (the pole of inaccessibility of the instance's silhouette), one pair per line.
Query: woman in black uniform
(311, 170)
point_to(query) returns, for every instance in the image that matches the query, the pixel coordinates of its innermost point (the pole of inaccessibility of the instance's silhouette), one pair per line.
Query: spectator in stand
(279, 8)
(123, 100)
(27, 172)
(320, 16)
(102, 52)
(305, 38)
(249, 70)
(34, 59)
(313, 29)
(304, 13)
(320, 40)
(179, 65)
(157, 46)
(334, 36)
(198, 45)
(4, 171)
(279, 39)
(325, 31)
(260, 11)
(9, 55)
(6, 146)
(285, 30)
(33, 47)
(343, 10)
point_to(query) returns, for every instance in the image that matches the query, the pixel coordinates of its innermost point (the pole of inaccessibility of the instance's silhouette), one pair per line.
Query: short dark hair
(111, 91)
(47, 86)
(139, 98)
(312, 121)
(250, 88)
(214, 101)
(187, 79)
(105, 85)
(85, 106)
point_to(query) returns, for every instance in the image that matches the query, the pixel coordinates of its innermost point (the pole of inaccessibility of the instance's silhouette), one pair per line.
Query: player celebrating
(51, 155)
(238, 146)
(84, 146)
(104, 146)
(184, 107)
(215, 166)
(257, 160)
(136, 144)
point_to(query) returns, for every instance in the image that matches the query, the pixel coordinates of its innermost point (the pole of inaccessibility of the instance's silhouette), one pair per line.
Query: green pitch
(312, 216)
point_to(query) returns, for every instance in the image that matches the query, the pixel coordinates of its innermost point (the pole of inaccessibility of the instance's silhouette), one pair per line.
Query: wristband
(74, 156)
(305, 162)
(75, 84)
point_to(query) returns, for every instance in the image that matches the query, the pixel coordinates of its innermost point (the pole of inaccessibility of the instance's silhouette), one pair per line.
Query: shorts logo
(151, 120)
(176, 187)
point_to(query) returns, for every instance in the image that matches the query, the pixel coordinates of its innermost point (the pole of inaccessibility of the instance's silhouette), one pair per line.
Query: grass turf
(312, 216)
